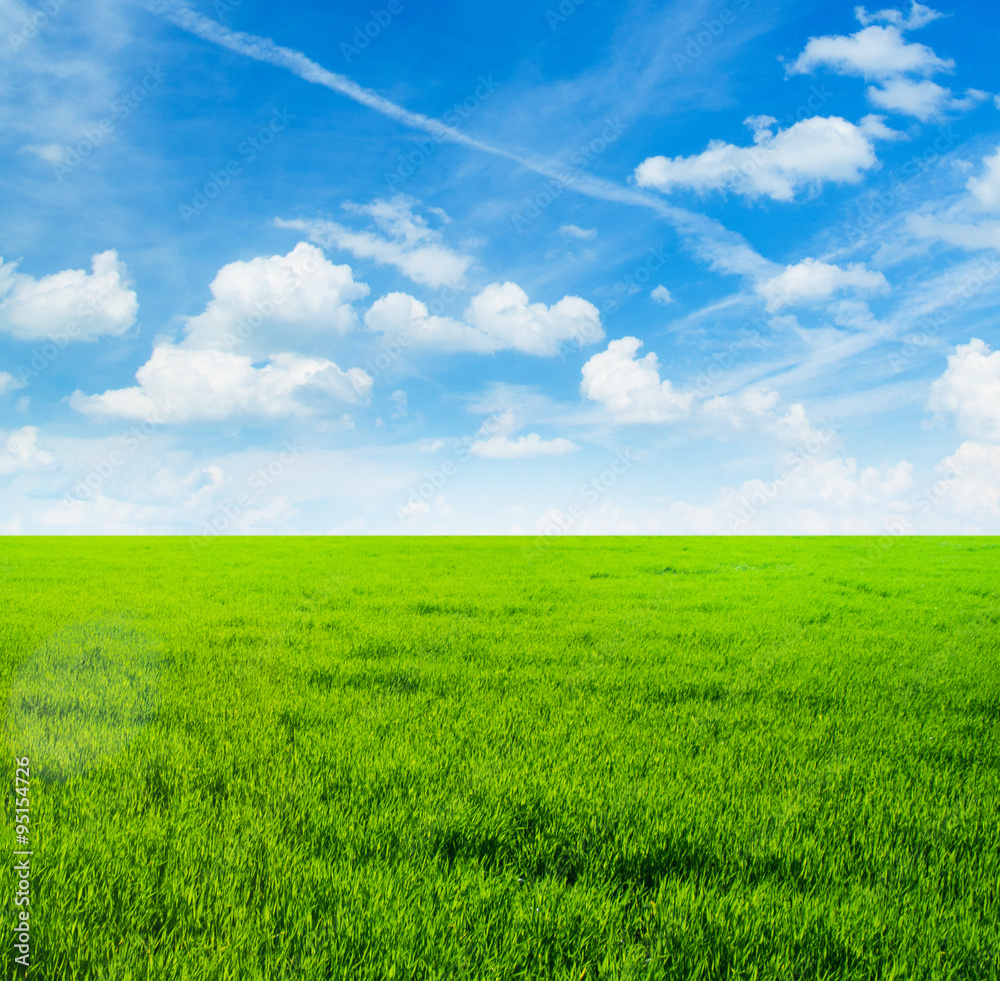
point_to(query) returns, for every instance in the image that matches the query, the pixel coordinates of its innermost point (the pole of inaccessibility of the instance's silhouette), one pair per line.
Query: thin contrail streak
(719, 245)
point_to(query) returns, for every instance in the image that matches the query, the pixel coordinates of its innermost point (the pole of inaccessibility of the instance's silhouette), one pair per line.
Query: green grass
(505, 758)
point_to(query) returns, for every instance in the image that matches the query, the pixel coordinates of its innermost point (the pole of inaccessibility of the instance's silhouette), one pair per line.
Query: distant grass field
(439, 758)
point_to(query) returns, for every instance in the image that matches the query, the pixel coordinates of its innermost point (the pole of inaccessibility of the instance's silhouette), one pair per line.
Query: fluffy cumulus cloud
(20, 452)
(874, 52)
(899, 69)
(630, 388)
(180, 385)
(778, 165)
(280, 301)
(810, 281)
(969, 390)
(238, 359)
(970, 484)
(501, 317)
(397, 236)
(923, 99)
(71, 304)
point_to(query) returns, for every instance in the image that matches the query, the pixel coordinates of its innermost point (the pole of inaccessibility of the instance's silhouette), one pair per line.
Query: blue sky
(560, 268)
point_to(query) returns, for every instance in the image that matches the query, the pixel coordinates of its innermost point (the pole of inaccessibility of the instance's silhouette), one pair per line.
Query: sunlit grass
(444, 758)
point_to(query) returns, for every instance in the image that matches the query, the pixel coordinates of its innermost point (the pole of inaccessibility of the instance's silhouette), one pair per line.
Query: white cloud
(163, 501)
(919, 16)
(20, 452)
(794, 428)
(874, 126)
(986, 187)
(400, 238)
(499, 318)
(964, 224)
(811, 280)
(503, 312)
(756, 407)
(661, 295)
(969, 389)
(400, 403)
(575, 231)
(71, 303)
(873, 53)
(971, 479)
(813, 495)
(179, 385)
(632, 391)
(778, 165)
(630, 388)
(985, 235)
(922, 99)
(51, 153)
(505, 448)
(401, 315)
(755, 402)
(278, 302)
(299, 299)
(901, 68)
(413, 509)
(8, 383)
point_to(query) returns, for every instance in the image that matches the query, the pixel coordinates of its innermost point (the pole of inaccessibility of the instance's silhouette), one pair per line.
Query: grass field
(505, 758)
